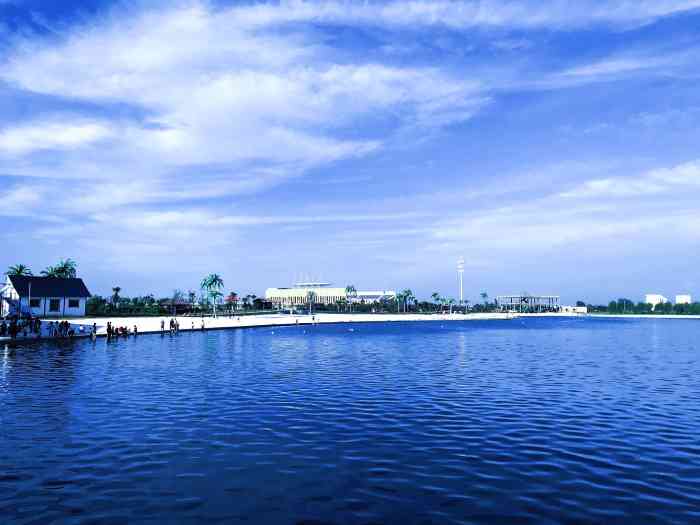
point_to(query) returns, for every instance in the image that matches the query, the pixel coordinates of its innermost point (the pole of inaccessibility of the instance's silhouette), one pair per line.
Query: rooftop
(48, 286)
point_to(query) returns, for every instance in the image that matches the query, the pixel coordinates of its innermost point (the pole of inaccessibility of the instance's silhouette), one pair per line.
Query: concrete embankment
(152, 324)
(644, 316)
(145, 325)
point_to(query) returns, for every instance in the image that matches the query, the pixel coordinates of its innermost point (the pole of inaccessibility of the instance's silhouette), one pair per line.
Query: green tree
(65, 269)
(436, 299)
(643, 308)
(484, 298)
(19, 270)
(95, 305)
(115, 296)
(232, 300)
(450, 303)
(216, 296)
(410, 298)
(351, 294)
(210, 284)
(625, 305)
(311, 299)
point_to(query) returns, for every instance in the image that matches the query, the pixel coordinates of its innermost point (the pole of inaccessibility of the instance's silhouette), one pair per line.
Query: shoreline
(151, 325)
(646, 316)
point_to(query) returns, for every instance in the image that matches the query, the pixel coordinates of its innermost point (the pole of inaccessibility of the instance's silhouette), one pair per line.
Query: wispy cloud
(53, 134)
(424, 129)
(682, 177)
(216, 88)
(471, 13)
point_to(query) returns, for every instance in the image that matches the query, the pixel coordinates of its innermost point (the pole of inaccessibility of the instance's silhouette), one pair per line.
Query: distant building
(43, 297)
(684, 299)
(323, 293)
(655, 299)
(528, 303)
(574, 309)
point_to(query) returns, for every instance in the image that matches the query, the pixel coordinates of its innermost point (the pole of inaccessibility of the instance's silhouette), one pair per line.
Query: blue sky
(552, 144)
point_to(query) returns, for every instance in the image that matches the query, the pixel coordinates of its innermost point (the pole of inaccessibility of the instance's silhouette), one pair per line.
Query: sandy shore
(83, 326)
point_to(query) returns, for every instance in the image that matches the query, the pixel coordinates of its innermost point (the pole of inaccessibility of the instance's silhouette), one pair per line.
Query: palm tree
(65, 269)
(215, 295)
(484, 297)
(115, 296)
(68, 268)
(212, 283)
(406, 295)
(311, 299)
(351, 294)
(50, 271)
(436, 299)
(192, 297)
(450, 303)
(19, 270)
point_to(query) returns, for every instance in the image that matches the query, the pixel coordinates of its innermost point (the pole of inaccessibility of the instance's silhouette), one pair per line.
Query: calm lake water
(534, 421)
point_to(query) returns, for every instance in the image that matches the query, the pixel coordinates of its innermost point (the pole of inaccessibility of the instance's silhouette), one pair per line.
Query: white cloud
(229, 104)
(654, 182)
(51, 135)
(19, 201)
(218, 89)
(613, 66)
(469, 13)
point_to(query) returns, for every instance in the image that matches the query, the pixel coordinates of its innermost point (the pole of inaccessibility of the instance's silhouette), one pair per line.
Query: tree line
(65, 269)
(627, 306)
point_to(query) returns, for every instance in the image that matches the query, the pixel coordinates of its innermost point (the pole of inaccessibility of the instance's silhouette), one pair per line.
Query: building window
(54, 305)
(73, 303)
(34, 303)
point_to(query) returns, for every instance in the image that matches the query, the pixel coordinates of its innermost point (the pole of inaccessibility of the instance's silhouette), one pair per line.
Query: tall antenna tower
(460, 276)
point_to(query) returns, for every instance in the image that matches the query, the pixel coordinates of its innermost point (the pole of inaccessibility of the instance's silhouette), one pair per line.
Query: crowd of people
(33, 327)
(118, 331)
(174, 326)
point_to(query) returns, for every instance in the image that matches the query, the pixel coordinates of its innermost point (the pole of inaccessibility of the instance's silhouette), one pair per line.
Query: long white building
(684, 299)
(323, 293)
(655, 299)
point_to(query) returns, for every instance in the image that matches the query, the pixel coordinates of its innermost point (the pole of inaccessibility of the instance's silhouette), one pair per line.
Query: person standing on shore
(162, 327)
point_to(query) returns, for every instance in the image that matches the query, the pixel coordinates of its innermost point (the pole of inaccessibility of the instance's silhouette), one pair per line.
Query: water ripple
(541, 421)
